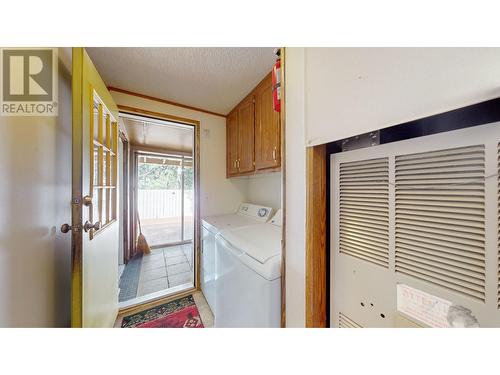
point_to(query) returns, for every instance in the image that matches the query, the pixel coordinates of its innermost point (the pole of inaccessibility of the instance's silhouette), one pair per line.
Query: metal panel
(346, 322)
(433, 242)
(434, 203)
(364, 210)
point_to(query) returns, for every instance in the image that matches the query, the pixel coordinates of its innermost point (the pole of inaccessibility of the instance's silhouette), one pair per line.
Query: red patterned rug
(181, 313)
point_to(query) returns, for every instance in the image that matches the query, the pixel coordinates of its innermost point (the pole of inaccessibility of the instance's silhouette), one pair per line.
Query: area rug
(181, 313)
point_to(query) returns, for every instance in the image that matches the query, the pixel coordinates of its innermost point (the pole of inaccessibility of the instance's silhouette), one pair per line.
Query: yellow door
(94, 198)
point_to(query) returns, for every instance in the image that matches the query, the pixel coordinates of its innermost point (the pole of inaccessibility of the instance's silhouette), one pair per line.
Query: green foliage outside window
(169, 177)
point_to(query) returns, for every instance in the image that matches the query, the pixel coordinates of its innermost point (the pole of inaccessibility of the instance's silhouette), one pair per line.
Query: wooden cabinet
(232, 143)
(246, 135)
(267, 128)
(253, 133)
(240, 139)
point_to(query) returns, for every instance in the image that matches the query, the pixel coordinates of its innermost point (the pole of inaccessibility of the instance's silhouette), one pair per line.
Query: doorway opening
(165, 198)
(160, 203)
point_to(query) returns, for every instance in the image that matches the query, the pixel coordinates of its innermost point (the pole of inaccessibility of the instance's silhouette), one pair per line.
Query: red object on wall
(276, 78)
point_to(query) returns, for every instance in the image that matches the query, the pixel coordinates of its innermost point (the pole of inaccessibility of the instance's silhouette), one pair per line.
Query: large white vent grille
(440, 229)
(345, 322)
(364, 210)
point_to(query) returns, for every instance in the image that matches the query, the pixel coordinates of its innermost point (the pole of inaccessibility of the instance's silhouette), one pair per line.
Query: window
(103, 165)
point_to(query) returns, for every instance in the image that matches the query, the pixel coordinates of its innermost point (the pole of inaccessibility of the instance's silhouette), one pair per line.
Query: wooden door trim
(197, 215)
(283, 190)
(158, 115)
(316, 233)
(164, 101)
(127, 246)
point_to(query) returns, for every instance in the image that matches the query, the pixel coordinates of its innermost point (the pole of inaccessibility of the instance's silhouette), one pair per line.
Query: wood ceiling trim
(139, 95)
(164, 116)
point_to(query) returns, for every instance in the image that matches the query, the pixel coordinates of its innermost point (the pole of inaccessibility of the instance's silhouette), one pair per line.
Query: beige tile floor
(207, 317)
(206, 314)
(166, 268)
(167, 230)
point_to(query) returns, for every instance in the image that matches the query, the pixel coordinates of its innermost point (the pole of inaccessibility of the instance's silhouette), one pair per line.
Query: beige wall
(352, 91)
(218, 194)
(35, 196)
(295, 188)
(264, 189)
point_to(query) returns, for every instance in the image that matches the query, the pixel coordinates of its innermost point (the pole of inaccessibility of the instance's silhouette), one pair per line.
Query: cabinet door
(232, 143)
(246, 134)
(267, 128)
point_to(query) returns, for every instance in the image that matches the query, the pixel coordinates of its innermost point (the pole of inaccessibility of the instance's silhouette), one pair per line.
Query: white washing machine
(248, 287)
(247, 214)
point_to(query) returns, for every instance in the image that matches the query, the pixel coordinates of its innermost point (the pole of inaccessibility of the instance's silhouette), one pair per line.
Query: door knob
(87, 200)
(65, 228)
(88, 226)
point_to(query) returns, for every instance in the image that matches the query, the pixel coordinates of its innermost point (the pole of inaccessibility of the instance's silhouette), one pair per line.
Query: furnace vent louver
(440, 229)
(345, 322)
(364, 210)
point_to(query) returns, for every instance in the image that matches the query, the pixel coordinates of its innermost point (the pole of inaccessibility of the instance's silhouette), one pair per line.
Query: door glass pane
(105, 169)
(104, 163)
(110, 205)
(96, 166)
(113, 204)
(96, 121)
(113, 145)
(107, 130)
(95, 205)
(113, 169)
(104, 205)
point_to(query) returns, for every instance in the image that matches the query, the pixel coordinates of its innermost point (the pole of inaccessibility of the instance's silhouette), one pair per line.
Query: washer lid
(260, 241)
(219, 222)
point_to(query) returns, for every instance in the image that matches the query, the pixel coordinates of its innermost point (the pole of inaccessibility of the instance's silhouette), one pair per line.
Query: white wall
(352, 91)
(295, 187)
(218, 194)
(264, 189)
(35, 197)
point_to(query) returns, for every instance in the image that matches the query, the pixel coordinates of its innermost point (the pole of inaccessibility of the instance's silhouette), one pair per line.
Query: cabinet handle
(235, 163)
(274, 154)
(238, 161)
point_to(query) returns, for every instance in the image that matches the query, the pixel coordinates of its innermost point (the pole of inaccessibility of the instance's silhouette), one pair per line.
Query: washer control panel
(260, 213)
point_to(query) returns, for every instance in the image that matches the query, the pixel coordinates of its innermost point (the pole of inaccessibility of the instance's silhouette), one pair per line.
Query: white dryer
(248, 287)
(247, 214)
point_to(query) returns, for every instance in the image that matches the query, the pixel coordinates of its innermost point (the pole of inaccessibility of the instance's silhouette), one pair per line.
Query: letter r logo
(27, 75)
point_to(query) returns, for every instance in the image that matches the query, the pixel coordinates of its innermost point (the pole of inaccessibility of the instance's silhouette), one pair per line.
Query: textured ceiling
(161, 136)
(214, 79)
